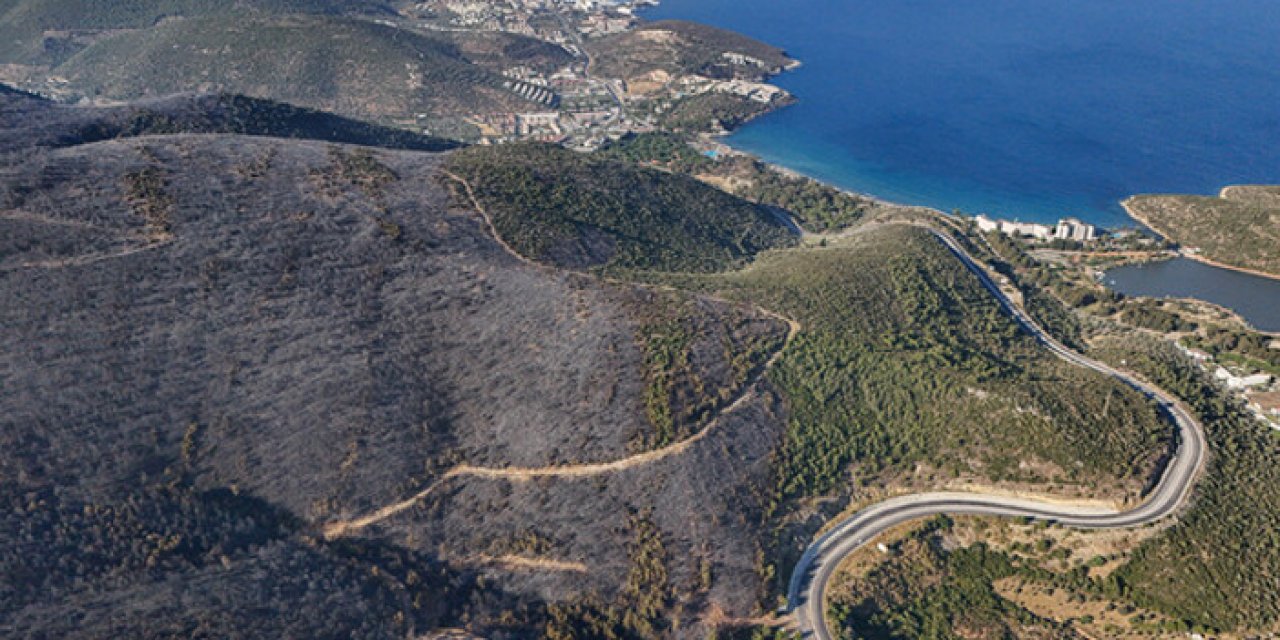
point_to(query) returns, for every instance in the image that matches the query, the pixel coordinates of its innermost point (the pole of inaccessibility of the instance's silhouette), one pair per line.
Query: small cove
(1255, 298)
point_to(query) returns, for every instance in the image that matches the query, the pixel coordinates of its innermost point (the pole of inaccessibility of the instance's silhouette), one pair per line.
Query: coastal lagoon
(1255, 298)
(1029, 109)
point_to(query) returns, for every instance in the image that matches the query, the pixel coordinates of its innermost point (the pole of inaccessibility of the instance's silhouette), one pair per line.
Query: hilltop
(681, 48)
(46, 32)
(692, 77)
(1239, 228)
(33, 121)
(327, 56)
(578, 211)
(242, 339)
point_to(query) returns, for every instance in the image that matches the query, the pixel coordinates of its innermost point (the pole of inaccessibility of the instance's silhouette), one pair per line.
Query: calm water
(1023, 108)
(1254, 298)
(1028, 108)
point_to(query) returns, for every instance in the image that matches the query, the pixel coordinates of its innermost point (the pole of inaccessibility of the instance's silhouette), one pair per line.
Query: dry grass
(1239, 228)
(1094, 619)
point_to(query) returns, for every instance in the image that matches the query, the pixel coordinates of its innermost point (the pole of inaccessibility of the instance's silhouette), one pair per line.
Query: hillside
(1217, 567)
(31, 121)
(936, 386)
(1239, 228)
(217, 346)
(907, 376)
(682, 48)
(45, 32)
(1211, 571)
(265, 387)
(815, 206)
(578, 211)
(931, 372)
(499, 51)
(344, 65)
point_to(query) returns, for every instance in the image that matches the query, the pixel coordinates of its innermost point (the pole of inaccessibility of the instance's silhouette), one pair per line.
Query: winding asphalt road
(806, 594)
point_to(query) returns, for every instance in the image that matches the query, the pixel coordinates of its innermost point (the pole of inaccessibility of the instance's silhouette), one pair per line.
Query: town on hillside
(624, 77)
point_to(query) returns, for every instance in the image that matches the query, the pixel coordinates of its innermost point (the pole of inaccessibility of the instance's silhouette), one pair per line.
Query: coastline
(719, 140)
(1190, 255)
(718, 137)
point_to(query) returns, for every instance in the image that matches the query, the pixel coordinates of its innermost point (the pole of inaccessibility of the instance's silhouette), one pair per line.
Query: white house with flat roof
(1242, 382)
(1073, 229)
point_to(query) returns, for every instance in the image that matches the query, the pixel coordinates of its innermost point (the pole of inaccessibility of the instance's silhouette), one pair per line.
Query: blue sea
(1029, 109)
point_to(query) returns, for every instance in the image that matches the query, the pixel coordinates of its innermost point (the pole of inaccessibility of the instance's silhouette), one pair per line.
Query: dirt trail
(488, 221)
(340, 528)
(24, 216)
(537, 564)
(80, 261)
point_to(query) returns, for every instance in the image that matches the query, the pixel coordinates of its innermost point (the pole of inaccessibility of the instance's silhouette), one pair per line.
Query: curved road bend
(806, 594)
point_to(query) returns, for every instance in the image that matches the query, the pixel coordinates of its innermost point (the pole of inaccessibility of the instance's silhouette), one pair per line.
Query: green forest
(578, 211)
(904, 360)
(1219, 565)
(817, 207)
(904, 357)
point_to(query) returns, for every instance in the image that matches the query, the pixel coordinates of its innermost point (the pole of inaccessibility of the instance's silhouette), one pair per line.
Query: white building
(1067, 228)
(1242, 382)
(1073, 229)
(742, 59)
(1195, 354)
(1038, 231)
(757, 91)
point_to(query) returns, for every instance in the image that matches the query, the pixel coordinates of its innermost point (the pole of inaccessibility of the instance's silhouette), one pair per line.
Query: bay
(1029, 109)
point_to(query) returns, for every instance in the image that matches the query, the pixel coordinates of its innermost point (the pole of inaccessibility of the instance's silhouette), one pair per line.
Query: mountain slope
(217, 345)
(578, 211)
(48, 31)
(348, 66)
(30, 121)
(266, 387)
